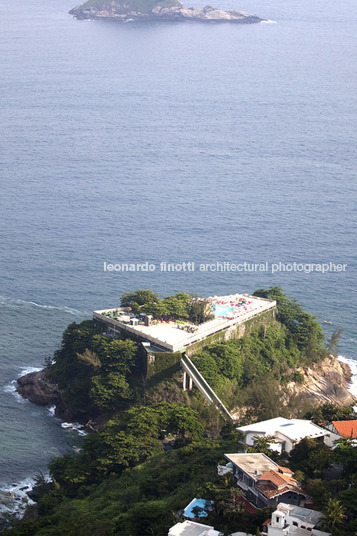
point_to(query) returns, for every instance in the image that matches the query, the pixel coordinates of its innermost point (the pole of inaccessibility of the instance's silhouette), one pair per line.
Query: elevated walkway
(204, 388)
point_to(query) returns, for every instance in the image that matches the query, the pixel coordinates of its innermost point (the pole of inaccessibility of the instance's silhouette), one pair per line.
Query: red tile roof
(346, 428)
(247, 506)
(274, 477)
(286, 470)
(266, 522)
(278, 479)
(272, 484)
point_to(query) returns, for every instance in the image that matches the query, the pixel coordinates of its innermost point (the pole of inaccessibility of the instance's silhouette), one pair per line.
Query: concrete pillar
(190, 384)
(184, 380)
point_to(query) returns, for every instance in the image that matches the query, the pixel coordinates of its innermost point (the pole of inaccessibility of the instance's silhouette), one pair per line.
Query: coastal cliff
(39, 389)
(325, 382)
(167, 10)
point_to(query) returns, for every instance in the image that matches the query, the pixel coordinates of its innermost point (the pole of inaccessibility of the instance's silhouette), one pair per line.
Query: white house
(287, 432)
(190, 528)
(288, 520)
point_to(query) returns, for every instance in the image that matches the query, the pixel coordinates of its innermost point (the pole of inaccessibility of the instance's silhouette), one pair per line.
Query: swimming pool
(198, 503)
(221, 310)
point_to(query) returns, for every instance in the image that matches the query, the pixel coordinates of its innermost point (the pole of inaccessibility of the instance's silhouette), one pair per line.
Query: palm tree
(335, 514)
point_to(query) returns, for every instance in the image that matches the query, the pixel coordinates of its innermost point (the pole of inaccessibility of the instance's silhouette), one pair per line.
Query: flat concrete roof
(294, 429)
(304, 514)
(189, 528)
(170, 335)
(254, 464)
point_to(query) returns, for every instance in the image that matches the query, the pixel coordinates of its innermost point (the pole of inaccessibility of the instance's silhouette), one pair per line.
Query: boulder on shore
(37, 388)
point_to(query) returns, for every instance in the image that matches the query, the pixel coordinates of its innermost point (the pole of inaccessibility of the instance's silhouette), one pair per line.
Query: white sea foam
(14, 498)
(74, 427)
(21, 303)
(28, 370)
(268, 21)
(353, 366)
(11, 388)
(52, 410)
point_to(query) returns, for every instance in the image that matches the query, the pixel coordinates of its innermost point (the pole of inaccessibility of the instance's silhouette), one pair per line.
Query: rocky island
(151, 10)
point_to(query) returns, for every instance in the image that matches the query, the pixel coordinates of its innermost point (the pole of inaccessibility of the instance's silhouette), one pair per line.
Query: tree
(304, 327)
(333, 341)
(329, 412)
(141, 297)
(264, 444)
(335, 514)
(345, 453)
(108, 391)
(90, 358)
(310, 456)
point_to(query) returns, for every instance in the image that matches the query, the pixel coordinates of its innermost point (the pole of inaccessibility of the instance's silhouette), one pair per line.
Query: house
(340, 429)
(264, 482)
(288, 520)
(190, 528)
(287, 432)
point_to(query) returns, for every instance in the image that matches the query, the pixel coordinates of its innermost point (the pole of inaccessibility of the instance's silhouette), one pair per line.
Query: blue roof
(200, 503)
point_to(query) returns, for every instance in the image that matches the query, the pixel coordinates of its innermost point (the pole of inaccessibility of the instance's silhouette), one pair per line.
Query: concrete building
(287, 432)
(263, 481)
(190, 528)
(229, 312)
(288, 520)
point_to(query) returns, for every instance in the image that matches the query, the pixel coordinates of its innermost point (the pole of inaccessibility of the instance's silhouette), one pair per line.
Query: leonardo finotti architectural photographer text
(191, 266)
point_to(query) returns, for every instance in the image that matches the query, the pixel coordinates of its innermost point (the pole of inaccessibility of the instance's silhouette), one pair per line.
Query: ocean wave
(21, 303)
(28, 370)
(11, 388)
(268, 22)
(14, 498)
(74, 427)
(353, 366)
(51, 411)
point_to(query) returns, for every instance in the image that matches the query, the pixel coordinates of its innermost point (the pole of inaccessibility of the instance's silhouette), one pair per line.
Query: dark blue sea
(167, 142)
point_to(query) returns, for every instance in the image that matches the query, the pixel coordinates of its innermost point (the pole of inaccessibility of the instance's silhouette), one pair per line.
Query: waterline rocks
(37, 388)
(167, 10)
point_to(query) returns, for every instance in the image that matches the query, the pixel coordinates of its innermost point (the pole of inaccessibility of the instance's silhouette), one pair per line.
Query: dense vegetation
(95, 372)
(252, 369)
(129, 6)
(156, 449)
(181, 306)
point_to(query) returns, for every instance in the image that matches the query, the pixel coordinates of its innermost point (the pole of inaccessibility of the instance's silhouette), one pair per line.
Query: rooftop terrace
(174, 335)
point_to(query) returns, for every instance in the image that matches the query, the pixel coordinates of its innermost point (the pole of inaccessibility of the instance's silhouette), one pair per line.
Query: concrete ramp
(204, 387)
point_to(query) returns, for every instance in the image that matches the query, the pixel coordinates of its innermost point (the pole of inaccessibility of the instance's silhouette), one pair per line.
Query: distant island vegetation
(153, 447)
(152, 10)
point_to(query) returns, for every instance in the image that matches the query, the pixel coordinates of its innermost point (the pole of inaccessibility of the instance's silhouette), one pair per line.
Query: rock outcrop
(328, 381)
(37, 388)
(170, 10)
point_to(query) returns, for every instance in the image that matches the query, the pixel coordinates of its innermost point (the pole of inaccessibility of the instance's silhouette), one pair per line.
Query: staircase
(203, 386)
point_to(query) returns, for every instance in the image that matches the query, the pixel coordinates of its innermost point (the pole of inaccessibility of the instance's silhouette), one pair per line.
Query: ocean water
(167, 142)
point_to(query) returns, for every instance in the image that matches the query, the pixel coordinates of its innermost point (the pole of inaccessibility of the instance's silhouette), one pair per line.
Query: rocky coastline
(38, 388)
(325, 382)
(173, 11)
